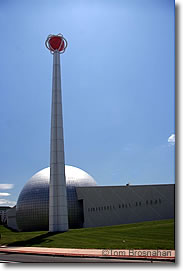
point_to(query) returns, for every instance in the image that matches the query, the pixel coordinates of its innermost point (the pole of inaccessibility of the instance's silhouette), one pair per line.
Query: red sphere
(56, 43)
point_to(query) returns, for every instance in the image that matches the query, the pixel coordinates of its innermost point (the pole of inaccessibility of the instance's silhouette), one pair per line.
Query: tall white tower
(58, 213)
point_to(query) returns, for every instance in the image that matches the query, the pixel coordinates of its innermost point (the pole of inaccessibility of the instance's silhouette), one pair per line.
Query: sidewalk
(168, 255)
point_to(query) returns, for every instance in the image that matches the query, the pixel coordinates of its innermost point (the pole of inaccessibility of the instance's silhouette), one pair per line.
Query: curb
(150, 258)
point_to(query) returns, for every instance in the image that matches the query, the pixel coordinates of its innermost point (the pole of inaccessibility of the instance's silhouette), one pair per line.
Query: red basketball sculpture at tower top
(56, 43)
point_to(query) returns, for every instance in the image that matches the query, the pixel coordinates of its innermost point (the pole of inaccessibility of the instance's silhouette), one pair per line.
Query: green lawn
(146, 235)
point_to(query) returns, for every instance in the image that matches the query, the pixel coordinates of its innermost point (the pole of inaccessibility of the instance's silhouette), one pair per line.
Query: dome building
(89, 204)
(32, 209)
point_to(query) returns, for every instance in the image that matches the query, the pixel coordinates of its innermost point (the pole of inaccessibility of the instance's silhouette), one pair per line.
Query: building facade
(11, 219)
(114, 205)
(3, 214)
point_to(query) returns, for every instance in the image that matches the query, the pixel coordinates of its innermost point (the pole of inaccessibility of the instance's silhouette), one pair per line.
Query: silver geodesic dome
(32, 209)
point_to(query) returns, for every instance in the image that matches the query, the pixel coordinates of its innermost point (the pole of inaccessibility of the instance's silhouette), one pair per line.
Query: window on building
(147, 202)
(159, 200)
(136, 203)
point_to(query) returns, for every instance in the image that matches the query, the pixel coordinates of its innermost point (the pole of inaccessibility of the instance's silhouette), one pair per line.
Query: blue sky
(117, 83)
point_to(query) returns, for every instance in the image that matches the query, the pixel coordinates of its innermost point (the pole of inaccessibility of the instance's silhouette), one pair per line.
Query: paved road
(24, 258)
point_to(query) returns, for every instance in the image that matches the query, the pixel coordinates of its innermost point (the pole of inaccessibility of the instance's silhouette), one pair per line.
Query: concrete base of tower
(58, 224)
(58, 228)
(58, 213)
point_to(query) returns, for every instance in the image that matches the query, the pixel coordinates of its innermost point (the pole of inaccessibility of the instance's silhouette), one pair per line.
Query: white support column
(58, 213)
